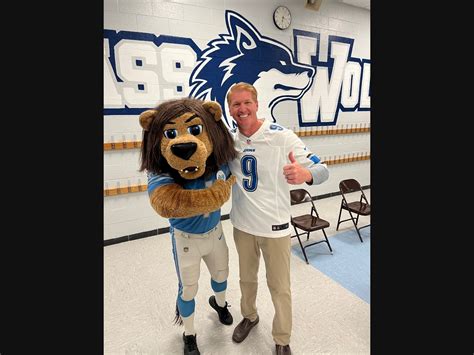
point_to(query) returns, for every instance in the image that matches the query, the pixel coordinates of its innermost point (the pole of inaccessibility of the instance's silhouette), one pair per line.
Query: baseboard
(153, 232)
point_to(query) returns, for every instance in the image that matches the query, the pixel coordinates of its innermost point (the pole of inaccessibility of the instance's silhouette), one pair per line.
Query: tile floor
(140, 287)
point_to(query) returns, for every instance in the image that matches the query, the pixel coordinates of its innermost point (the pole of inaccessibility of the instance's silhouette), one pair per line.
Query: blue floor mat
(350, 263)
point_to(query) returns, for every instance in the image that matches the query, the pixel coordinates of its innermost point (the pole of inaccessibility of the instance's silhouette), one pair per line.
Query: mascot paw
(231, 180)
(221, 189)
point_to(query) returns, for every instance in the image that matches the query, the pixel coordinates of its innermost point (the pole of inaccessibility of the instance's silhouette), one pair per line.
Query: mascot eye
(171, 133)
(195, 130)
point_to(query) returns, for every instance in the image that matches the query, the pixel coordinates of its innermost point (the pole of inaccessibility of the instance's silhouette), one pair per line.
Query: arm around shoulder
(173, 201)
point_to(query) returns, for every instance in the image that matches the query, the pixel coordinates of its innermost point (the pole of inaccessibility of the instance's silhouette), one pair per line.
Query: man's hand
(294, 173)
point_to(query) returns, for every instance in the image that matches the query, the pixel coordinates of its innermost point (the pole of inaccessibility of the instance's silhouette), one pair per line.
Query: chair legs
(327, 241)
(354, 221)
(301, 244)
(308, 245)
(339, 218)
(355, 225)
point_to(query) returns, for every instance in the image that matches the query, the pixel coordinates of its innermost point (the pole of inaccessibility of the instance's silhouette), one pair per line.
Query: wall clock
(282, 17)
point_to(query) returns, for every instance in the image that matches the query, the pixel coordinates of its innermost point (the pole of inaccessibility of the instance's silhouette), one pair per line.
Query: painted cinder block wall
(203, 21)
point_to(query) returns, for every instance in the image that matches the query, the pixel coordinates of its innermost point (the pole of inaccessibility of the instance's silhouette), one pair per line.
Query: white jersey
(261, 195)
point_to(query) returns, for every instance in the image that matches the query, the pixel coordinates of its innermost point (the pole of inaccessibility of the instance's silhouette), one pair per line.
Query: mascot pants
(190, 248)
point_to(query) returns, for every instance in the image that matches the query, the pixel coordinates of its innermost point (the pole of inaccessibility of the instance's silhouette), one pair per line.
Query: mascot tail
(177, 318)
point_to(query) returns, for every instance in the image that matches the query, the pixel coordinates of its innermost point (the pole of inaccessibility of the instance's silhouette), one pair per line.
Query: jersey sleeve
(226, 170)
(157, 180)
(306, 158)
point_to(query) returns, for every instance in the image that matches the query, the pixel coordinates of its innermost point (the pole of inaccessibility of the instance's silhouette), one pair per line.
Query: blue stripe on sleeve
(315, 159)
(155, 181)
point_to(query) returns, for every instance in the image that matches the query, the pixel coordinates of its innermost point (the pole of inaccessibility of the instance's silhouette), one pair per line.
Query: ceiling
(365, 4)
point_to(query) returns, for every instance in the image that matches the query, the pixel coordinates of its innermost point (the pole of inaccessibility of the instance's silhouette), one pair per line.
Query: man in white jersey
(270, 158)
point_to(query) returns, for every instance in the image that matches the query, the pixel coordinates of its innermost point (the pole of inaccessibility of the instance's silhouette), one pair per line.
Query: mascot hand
(222, 188)
(226, 183)
(231, 180)
(173, 201)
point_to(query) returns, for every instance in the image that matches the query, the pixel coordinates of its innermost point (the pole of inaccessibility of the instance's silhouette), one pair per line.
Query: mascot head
(185, 138)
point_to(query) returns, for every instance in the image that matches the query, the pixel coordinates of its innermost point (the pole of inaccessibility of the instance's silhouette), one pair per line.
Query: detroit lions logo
(243, 54)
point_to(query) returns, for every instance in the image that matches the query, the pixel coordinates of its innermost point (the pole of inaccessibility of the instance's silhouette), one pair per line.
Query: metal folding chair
(357, 208)
(307, 222)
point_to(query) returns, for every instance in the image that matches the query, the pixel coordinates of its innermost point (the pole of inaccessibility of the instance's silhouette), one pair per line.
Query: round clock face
(282, 17)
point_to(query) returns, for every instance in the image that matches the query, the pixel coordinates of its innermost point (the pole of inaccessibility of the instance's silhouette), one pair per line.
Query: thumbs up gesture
(294, 173)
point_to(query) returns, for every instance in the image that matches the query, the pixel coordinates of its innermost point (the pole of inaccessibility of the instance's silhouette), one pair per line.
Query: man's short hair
(242, 86)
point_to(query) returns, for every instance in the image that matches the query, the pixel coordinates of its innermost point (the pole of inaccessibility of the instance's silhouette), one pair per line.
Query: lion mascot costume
(185, 150)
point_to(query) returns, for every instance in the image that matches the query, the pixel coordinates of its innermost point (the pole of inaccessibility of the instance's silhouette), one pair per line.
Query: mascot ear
(214, 109)
(146, 117)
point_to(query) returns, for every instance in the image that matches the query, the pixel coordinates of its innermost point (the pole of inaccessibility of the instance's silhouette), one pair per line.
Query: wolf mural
(243, 54)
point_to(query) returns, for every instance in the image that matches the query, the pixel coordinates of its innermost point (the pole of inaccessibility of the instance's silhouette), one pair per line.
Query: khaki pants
(276, 255)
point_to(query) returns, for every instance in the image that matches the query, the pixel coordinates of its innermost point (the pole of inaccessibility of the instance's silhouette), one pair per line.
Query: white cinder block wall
(203, 21)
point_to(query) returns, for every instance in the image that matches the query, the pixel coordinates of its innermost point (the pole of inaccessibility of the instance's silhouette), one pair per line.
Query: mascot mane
(151, 157)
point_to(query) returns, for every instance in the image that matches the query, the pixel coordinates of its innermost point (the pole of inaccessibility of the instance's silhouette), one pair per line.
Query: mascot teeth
(192, 169)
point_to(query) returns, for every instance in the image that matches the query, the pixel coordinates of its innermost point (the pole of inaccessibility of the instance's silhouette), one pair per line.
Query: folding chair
(307, 222)
(359, 208)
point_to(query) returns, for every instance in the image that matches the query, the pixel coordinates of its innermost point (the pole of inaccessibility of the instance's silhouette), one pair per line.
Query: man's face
(243, 108)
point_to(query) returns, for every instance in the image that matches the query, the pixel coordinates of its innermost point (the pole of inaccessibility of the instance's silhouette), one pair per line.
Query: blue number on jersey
(249, 168)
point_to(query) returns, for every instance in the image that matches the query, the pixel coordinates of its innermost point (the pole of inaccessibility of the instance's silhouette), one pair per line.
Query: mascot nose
(184, 150)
